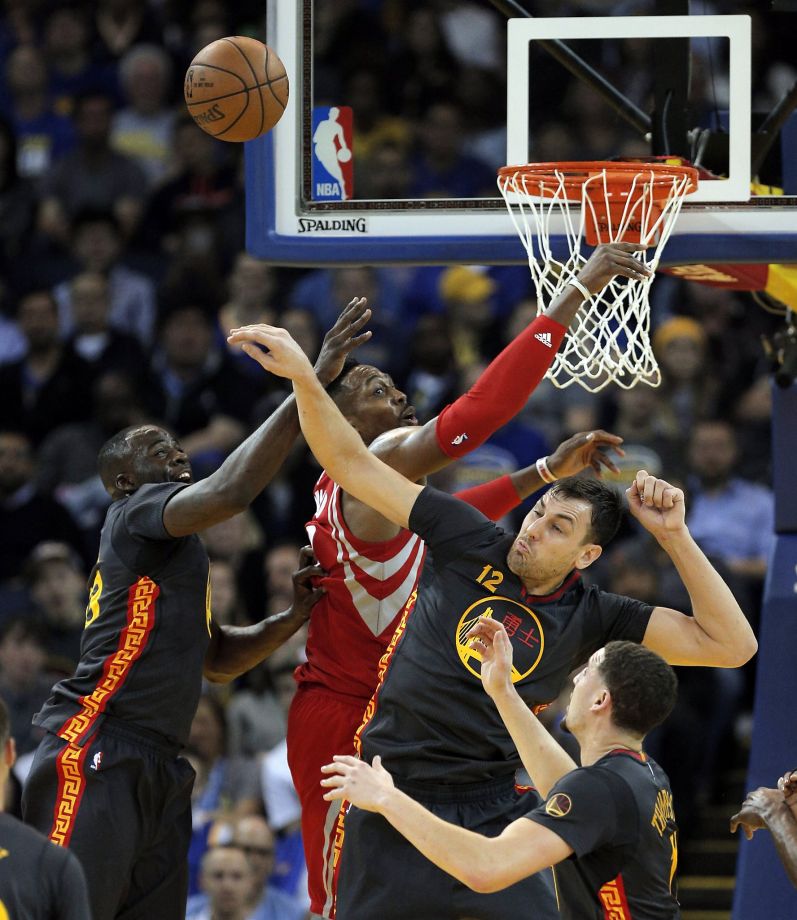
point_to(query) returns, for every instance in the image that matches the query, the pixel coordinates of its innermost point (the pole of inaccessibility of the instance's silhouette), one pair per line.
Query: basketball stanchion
(593, 203)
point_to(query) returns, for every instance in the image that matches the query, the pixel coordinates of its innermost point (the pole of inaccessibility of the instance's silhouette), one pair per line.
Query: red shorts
(320, 724)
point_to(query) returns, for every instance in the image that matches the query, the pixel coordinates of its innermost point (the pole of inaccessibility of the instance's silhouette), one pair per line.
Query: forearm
(783, 827)
(456, 850)
(238, 649)
(494, 499)
(544, 759)
(503, 388)
(252, 465)
(715, 610)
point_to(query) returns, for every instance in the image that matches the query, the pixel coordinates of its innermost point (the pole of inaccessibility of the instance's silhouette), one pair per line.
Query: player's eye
(379, 391)
(557, 528)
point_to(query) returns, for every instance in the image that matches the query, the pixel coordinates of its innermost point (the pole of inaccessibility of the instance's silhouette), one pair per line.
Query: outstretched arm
(234, 650)
(484, 864)
(506, 384)
(250, 468)
(335, 444)
(545, 761)
(718, 633)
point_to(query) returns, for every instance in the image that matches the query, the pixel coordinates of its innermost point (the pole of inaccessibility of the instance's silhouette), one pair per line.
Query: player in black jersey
(38, 880)
(430, 721)
(614, 813)
(106, 780)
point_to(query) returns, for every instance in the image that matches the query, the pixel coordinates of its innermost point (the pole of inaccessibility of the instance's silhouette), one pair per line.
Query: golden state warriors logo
(522, 626)
(558, 805)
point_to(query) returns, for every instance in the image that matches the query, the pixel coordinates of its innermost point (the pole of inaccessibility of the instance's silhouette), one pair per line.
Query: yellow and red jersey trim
(77, 729)
(613, 900)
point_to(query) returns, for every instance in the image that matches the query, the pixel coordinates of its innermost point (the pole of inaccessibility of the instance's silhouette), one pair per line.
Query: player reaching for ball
(438, 735)
(107, 781)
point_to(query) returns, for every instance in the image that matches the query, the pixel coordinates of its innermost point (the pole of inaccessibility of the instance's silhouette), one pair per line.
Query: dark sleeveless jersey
(432, 720)
(617, 815)
(147, 627)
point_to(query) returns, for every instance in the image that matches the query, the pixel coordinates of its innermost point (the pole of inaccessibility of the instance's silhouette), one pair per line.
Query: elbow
(482, 880)
(217, 677)
(744, 654)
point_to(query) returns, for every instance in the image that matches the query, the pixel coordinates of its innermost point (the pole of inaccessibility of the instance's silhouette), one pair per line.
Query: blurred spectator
(280, 562)
(432, 382)
(50, 385)
(440, 168)
(144, 129)
(24, 682)
(17, 206)
(226, 881)
(385, 173)
(474, 33)
(255, 719)
(196, 263)
(97, 246)
(43, 137)
(67, 48)
(57, 584)
(238, 541)
(225, 787)
(688, 385)
(467, 293)
(120, 24)
(366, 92)
(485, 128)
(203, 182)
(101, 346)
(251, 287)
(731, 518)
(253, 835)
(92, 175)
(67, 458)
(195, 390)
(26, 517)
(226, 603)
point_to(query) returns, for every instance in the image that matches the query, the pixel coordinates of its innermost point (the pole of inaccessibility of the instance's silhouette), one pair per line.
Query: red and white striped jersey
(367, 587)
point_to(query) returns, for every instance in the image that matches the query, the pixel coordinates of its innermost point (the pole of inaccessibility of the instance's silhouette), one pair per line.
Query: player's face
(373, 405)
(552, 540)
(587, 688)
(159, 458)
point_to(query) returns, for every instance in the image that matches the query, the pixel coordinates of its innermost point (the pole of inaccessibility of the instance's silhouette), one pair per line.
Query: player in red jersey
(373, 566)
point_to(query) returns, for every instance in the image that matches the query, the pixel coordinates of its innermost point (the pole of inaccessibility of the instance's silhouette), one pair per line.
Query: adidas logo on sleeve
(545, 338)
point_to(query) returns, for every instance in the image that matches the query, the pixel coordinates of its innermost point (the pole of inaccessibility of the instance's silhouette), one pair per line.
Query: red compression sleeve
(494, 499)
(501, 391)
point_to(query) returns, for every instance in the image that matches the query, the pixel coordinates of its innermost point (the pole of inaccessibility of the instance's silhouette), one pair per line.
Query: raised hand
(489, 638)
(273, 349)
(611, 259)
(352, 779)
(587, 448)
(341, 339)
(658, 506)
(306, 589)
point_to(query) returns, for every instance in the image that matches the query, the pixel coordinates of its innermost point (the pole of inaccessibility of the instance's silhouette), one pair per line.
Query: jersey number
(491, 578)
(93, 607)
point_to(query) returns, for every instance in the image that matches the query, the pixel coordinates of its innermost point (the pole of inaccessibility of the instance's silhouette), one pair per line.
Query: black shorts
(123, 806)
(383, 877)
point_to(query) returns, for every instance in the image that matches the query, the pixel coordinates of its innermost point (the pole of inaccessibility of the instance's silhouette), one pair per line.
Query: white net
(609, 339)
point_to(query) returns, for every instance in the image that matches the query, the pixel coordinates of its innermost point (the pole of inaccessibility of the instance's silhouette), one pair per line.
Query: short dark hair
(113, 452)
(24, 627)
(642, 685)
(607, 506)
(349, 363)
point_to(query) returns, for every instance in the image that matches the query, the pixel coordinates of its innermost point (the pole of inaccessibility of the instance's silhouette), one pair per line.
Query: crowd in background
(122, 265)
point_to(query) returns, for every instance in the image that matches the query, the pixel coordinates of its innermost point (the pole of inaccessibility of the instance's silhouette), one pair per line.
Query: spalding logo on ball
(236, 88)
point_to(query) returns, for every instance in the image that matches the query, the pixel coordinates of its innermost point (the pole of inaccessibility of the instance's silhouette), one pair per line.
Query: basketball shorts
(320, 725)
(122, 804)
(383, 877)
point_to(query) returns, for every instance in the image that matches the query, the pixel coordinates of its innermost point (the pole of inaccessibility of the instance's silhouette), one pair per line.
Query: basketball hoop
(593, 203)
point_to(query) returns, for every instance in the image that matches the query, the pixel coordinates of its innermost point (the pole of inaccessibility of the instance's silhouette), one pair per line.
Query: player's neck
(600, 743)
(543, 588)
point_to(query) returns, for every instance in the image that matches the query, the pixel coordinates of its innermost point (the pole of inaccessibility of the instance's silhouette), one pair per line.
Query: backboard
(363, 201)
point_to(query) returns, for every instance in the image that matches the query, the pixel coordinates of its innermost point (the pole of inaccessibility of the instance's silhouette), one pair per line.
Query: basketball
(236, 88)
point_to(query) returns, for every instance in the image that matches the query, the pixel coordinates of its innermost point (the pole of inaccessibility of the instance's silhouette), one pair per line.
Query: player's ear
(602, 701)
(588, 554)
(125, 483)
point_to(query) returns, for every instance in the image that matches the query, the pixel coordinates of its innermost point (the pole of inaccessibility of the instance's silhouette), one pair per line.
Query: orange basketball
(236, 88)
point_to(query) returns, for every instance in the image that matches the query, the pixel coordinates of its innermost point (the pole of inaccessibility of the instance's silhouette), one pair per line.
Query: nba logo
(333, 167)
(96, 760)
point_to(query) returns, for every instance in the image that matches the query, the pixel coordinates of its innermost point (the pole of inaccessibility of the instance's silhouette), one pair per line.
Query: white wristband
(545, 474)
(585, 293)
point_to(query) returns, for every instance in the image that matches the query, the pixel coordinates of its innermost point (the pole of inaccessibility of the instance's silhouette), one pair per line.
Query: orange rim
(618, 177)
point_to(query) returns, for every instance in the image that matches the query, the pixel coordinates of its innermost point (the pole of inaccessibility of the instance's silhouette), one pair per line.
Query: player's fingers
(256, 354)
(734, 823)
(346, 759)
(600, 459)
(306, 556)
(358, 340)
(604, 437)
(359, 321)
(659, 486)
(629, 247)
(377, 761)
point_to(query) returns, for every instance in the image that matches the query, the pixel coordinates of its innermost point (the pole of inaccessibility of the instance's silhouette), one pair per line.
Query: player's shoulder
(26, 844)
(389, 440)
